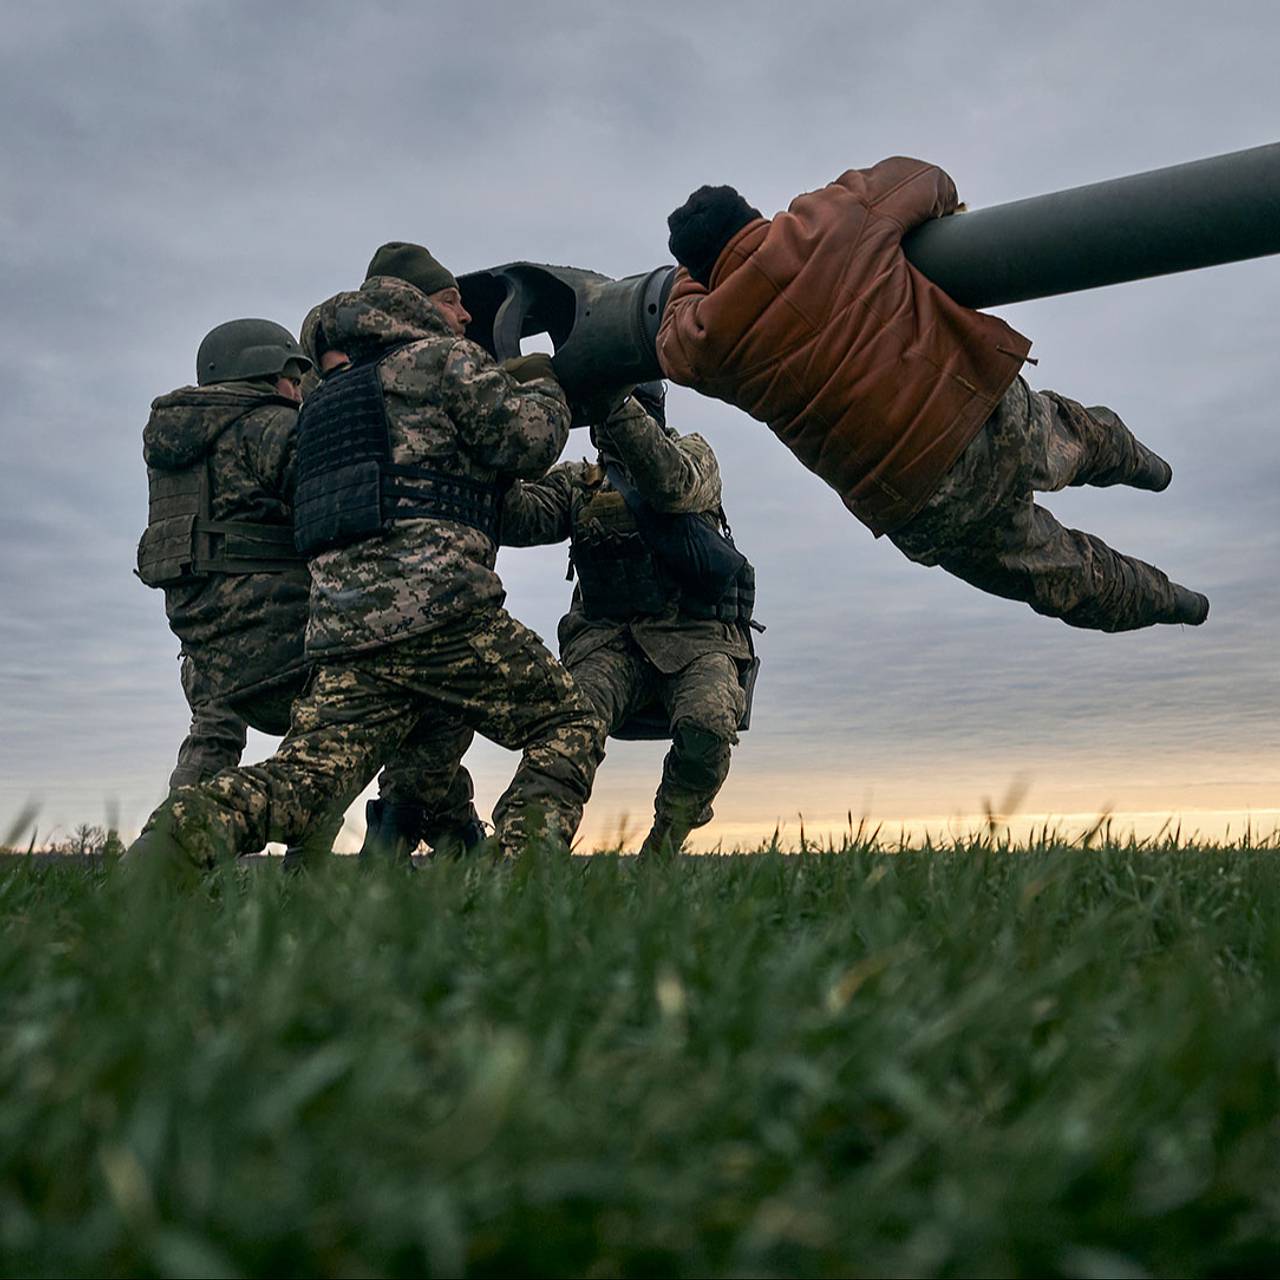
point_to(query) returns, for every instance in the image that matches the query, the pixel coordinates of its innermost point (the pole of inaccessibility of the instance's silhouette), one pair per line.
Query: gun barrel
(1224, 209)
(1202, 214)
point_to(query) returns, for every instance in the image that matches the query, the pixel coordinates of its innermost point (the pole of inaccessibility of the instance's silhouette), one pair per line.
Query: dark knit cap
(703, 225)
(412, 263)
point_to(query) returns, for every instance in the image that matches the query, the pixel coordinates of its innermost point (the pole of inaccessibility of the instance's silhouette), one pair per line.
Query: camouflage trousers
(704, 702)
(215, 741)
(220, 723)
(217, 738)
(427, 770)
(490, 674)
(983, 525)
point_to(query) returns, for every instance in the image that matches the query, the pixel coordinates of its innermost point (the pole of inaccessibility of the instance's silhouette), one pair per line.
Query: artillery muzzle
(604, 331)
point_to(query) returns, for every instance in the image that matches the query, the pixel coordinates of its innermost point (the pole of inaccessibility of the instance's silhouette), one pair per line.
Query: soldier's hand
(530, 367)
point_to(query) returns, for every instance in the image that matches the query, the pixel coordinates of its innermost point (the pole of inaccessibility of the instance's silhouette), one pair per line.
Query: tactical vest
(622, 574)
(183, 543)
(348, 487)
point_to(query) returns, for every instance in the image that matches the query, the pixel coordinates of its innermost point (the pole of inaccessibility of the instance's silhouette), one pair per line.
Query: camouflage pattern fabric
(983, 525)
(704, 702)
(427, 771)
(243, 631)
(490, 674)
(450, 407)
(675, 474)
(217, 735)
(689, 666)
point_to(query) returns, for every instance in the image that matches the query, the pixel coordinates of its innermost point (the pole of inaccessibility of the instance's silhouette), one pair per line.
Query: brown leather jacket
(817, 325)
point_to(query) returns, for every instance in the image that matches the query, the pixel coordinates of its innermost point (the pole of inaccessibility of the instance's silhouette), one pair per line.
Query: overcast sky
(165, 167)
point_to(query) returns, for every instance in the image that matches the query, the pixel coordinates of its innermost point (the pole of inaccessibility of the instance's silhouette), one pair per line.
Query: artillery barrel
(1202, 214)
(1224, 209)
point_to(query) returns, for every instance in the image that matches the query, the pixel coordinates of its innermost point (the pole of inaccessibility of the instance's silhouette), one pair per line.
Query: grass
(1053, 1061)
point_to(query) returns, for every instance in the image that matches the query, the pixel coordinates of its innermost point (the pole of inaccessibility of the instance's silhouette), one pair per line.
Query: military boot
(393, 830)
(309, 853)
(1189, 607)
(1154, 473)
(460, 840)
(665, 840)
(182, 838)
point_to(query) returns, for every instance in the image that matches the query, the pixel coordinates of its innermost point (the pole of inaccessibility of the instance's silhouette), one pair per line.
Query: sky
(166, 167)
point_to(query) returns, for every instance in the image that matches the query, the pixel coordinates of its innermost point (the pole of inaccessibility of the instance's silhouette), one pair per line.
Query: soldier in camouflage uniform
(908, 404)
(984, 526)
(404, 453)
(219, 542)
(635, 637)
(219, 539)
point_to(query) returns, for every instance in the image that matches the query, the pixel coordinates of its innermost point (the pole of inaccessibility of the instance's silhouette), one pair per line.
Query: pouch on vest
(616, 572)
(182, 543)
(694, 552)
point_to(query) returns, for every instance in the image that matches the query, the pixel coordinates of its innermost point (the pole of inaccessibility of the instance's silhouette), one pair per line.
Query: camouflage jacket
(243, 631)
(674, 473)
(450, 407)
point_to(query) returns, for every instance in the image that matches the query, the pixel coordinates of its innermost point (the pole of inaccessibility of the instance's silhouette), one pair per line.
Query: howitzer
(1201, 214)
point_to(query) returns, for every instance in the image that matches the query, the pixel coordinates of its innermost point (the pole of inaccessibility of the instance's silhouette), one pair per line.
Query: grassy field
(1053, 1061)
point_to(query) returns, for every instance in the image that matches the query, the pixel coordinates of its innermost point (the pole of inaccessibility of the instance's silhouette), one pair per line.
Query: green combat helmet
(243, 349)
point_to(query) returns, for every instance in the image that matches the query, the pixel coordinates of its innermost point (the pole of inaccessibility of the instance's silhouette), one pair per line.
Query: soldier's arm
(910, 191)
(272, 449)
(539, 512)
(673, 474)
(517, 428)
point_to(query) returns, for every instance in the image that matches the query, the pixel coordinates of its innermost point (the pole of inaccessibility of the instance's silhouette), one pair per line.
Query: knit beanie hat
(411, 263)
(703, 225)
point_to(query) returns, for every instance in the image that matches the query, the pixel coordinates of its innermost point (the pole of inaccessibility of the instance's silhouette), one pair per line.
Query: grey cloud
(166, 167)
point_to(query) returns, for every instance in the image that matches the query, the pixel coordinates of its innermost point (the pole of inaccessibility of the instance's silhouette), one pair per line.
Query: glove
(529, 368)
(596, 410)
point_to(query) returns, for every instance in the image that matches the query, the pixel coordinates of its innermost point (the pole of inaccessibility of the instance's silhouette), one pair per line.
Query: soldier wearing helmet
(658, 634)
(404, 453)
(219, 539)
(219, 543)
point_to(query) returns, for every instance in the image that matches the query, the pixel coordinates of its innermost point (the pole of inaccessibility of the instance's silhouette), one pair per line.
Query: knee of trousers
(699, 755)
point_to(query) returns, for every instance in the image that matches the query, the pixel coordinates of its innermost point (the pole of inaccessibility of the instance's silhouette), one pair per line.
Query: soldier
(646, 629)
(405, 452)
(907, 403)
(219, 542)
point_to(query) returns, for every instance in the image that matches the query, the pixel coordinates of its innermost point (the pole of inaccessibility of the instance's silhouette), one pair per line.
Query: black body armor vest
(182, 543)
(348, 487)
(634, 562)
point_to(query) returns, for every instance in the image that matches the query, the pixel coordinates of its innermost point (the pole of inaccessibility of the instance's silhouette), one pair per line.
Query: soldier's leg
(353, 715)
(1023, 553)
(1068, 444)
(500, 678)
(705, 702)
(424, 793)
(217, 736)
(617, 680)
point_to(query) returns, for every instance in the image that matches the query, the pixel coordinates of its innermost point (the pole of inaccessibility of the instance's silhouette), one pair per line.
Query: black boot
(1189, 607)
(393, 830)
(1153, 475)
(665, 840)
(458, 841)
(308, 854)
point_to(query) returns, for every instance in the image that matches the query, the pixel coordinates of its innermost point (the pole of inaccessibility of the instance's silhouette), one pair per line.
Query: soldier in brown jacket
(907, 403)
